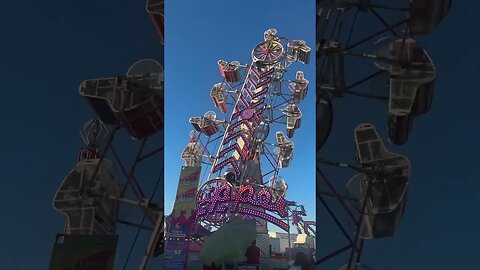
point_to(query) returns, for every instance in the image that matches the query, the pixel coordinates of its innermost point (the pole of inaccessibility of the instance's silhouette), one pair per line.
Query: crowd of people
(253, 253)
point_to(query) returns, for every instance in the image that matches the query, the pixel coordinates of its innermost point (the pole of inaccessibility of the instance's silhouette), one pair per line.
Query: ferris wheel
(107, 188)
(242, 153)
(103, 190)
(362, 44)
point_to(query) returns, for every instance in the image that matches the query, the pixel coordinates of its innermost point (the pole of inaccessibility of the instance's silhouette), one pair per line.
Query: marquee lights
(264, 216)
(224, 198)
(246, 113)
(306, 226)
(298, 220)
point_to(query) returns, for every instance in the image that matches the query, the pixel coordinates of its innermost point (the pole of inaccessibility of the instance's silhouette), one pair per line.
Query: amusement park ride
(99, 189)
(243, 153)
(375, 199)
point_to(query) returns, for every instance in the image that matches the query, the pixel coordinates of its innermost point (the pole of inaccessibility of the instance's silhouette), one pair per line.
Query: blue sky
(202, 32)
(46, 51)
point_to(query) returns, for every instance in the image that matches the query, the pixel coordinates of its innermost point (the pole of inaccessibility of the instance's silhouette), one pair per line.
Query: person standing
(253, 254)
(301, 262)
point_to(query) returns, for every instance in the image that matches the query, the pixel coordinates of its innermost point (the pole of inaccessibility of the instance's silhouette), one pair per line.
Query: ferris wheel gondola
(411, 89)
(384, 190)
(84, 196)
(294, 119)
(279, 187)
(377, 193)
(218, 96)
(207, 124)
(297, 50)
(284, 151)
(230, 71)
(271, 34)
(192, 154)
(134, 100)
(299, 87)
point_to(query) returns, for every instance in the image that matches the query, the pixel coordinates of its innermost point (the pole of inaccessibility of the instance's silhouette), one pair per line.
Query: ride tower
(243, 153)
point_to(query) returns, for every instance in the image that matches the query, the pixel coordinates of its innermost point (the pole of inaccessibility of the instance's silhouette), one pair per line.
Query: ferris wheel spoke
(382, 20)
(131, 181)
(365, 79)
(376, 34)
(271, 163)
(352, 26)
(280, 105)
(359, 226)
(339, 199)
(333, 254)
(335, 23)
(261, 53)
(268, 57)
(265, 175)
(365, 95)
(151, 153)
(283, 103)
(335, 219)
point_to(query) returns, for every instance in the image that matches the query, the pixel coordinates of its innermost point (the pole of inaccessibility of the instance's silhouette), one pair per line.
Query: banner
(183, 215)
(187, 191)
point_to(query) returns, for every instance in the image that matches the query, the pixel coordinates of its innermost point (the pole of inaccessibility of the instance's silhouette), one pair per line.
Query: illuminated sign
(246, 114)
(224, 199)
(298, 221)
(306, 226)
(187, 191)
(182, 217)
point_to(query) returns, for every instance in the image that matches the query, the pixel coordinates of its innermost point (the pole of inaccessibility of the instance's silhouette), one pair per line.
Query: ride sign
(225, 198)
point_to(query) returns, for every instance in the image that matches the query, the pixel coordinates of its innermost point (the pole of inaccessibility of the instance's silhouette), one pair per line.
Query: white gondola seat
(297, 50)
(294, 119)
(230, 71)
(192, 154)
(388, 188)
(299, 87)
(85, 201)
(411, 88)
(218, 97)
(117, 100)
